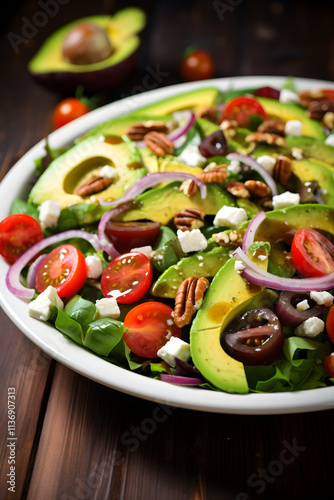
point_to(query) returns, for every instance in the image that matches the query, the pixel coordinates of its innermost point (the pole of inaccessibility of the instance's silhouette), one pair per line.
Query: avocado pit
(86, 43)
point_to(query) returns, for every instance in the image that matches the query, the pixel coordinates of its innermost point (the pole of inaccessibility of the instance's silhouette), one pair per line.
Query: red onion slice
(251, 230)
(32, 271)
(151, 180)
(179, 379)
(13, 275)
(251, 162)
(255, 275)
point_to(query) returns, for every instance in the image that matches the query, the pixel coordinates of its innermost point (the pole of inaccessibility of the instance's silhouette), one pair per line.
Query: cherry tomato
(68, 110)
(128, 235)
(240, 109)
(197, 65)
(329, 364)
(64, 268)
(312, 253)
(147, 327)
(329, 93)
(127, 278)
(330, 324)
(18, 232)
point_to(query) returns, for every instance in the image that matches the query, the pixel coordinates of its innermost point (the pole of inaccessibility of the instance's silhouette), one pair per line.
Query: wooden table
(77, 439)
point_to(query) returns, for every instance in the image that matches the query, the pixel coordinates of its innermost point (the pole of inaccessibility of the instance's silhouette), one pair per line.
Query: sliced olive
(255, 337)
(214, 145)
(286, 308)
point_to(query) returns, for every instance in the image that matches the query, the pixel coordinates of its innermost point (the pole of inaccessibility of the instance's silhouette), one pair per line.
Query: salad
(190, 240)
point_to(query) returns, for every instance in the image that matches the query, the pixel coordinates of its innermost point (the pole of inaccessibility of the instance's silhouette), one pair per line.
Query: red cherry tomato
(329, 93)
(131, 274)
(64, 268)
(329, 364)
(197, 65)
(147, 327)
(128, 235)
(330, 324)
(312, 253)
(240, 109)
(68, 110)
(18, 232)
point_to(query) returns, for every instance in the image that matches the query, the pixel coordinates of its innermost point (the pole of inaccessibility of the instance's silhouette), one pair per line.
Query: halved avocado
(50, 69)
(84, 161)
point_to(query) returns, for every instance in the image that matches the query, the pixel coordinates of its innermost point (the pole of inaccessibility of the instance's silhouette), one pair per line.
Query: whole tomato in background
(197, 64)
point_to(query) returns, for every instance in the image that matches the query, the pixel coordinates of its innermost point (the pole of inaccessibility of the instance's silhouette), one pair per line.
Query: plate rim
(95, 368)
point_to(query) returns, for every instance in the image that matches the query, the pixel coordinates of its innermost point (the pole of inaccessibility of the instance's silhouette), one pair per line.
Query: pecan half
(317, 110)
(265, 137)
(92, 186)
(189, 218)
(229, 127)
(258, 188)
(307, 96)
(189, 298)
(237, 189)
(137, 131)
(159, 143)
(272, 127)
(282, 170)
(213, 173)
(188, 187)
(209, 113)
(328, 120)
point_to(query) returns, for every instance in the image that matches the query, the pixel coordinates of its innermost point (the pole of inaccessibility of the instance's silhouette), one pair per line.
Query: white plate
(52, 342)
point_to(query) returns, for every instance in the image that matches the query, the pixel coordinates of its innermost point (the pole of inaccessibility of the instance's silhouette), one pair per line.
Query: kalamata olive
(255, 337)
(287, 312)
(214, 145)
(310, 192)
(86, 43)
(267, 92)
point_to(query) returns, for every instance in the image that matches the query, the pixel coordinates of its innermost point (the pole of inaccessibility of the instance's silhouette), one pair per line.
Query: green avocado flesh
(120, 28)
(84, 161)
(161, 204)
(290, 111)
(227, 296)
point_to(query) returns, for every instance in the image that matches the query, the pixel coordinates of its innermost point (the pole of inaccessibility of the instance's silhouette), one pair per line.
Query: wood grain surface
(79, 440)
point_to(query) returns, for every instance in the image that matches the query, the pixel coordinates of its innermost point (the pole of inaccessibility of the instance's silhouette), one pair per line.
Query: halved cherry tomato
(329, 364)
(68, 110)
(330, 324)
(329, 93)
(64, 268)
(128, 235)
(197, 65)
(148, 326)
(240, 109)
(18, 232)
(127, 278)
(312, 253)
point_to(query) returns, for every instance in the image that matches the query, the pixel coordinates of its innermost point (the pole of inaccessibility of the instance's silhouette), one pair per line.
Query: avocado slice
(290, 111)
(227, 296)
(84, 161)
(50, 69)
(205, 264)
(162, 203)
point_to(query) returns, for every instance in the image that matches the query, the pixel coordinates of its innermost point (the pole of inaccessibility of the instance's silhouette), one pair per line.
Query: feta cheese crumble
(330, 140)
(239, 266)
(146, 250)
(192, 157)
(310, 328)
(49, 212)
(322, 298)
(192, 241)
(234, 167)
(42, 306)
(287, 95)
(267, 162)
(107, 308)
(174, 348)
(109, 172)
(286, 199)
(94, 266)
(303, 305)
(293, 128)
(230, 216)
